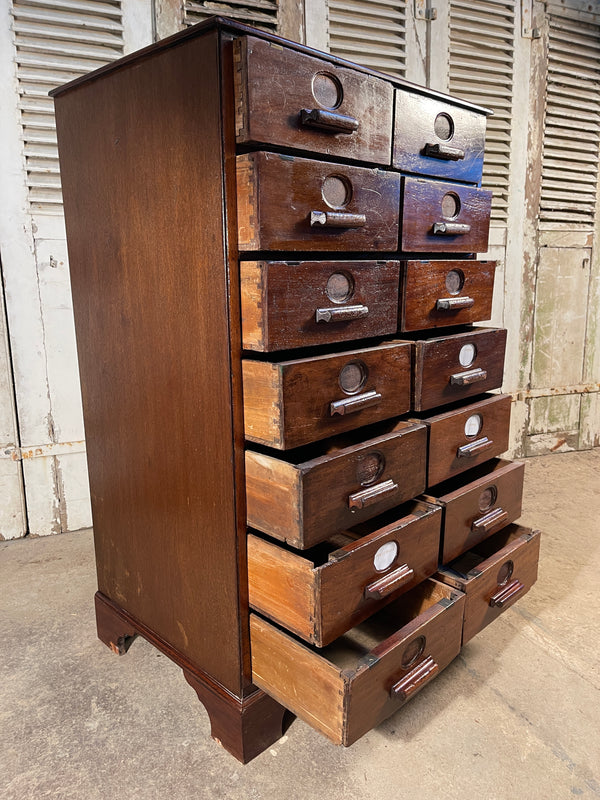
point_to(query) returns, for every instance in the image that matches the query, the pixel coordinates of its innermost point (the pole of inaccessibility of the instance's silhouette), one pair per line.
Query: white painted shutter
(481, 70)
(259, 13)
(370, 32)
(56, 41)
(572, 122)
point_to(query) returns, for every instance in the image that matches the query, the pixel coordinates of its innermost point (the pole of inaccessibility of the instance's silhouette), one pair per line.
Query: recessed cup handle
(496, 518)
(507, 593)
(468, 377)
(454, 303)
(341, 314)
(451, 228)
(443, 152)
(415, 679)
(328, 121)
(474, 448)
(337, 219)
(351, 404)
(389, 583)
(371, 495)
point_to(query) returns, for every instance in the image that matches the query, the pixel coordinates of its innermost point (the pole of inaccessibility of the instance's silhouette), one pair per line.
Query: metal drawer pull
(389, 583)
(337, 219)
(415, 679)
(340, 314)
(450, 228)
(501, 598)
(474, 448)
(372, 495)
(468, 377)
(351, 404)
(493, 519)
(452, 303)
(444, 152)
(328, 121)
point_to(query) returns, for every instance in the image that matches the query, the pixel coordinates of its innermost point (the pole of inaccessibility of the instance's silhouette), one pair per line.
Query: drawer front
(438, 293)
(452, 368)
(321, 601)
(432, 137)
(490, 500)
(287, 305)
(444, 217)
(465, 437)
(362, 678)
(306, 502)
(293, 100)
(289, 404)
(504, 568)
(287, 203)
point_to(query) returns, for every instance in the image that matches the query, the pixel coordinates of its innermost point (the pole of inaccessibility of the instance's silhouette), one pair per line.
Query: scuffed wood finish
(321, 594)
(157, 387)
(440, 378)
(430, 297)
(289, 403)
(478, 504)
(347, 688)
(457, 154)
(296, 304)
(275, 84)
(494, 575)
(447, 435)
(308, 499)
(277, 195)
(422, 214)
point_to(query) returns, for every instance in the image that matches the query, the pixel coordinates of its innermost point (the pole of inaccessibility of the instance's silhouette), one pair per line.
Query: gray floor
(516, 715)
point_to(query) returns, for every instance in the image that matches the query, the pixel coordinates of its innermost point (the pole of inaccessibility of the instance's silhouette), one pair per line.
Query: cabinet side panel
(141, 160)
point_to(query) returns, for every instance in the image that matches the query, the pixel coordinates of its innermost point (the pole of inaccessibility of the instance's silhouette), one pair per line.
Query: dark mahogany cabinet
(276, 291)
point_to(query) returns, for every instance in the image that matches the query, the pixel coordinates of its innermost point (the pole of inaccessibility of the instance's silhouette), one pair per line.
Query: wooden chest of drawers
(274, 279)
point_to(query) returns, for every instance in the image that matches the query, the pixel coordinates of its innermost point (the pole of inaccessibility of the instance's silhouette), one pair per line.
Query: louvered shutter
(260, 13)
(56, 41)
(370, 32)
(572, 122)
(481, 70)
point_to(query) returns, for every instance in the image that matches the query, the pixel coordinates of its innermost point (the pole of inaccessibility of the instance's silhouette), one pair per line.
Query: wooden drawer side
(298, 678)
(282, 586)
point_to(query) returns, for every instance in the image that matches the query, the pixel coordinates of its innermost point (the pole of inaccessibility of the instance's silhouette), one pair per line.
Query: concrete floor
(516, 715)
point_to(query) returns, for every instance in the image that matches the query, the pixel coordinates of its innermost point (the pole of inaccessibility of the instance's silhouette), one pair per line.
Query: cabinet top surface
(239, 29)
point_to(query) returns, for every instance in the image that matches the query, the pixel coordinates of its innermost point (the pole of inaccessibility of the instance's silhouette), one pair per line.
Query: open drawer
(365, 676)
(321, 593)
(477, 504)
(494, 574)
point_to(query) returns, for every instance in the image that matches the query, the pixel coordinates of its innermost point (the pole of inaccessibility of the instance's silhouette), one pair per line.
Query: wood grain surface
(447, 434)
(288, 403)
(274, 84)
(496, 485)
(346, 689)
(306, 501)
(422, 209)
(437, 362)
(277, 194)
(152, 306)
(282, 301)
(510, 556)
(424, 283)
(415, 127)
(320, 594)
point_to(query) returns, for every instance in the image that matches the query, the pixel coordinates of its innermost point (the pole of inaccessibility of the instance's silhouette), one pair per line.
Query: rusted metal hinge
(424, 10)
